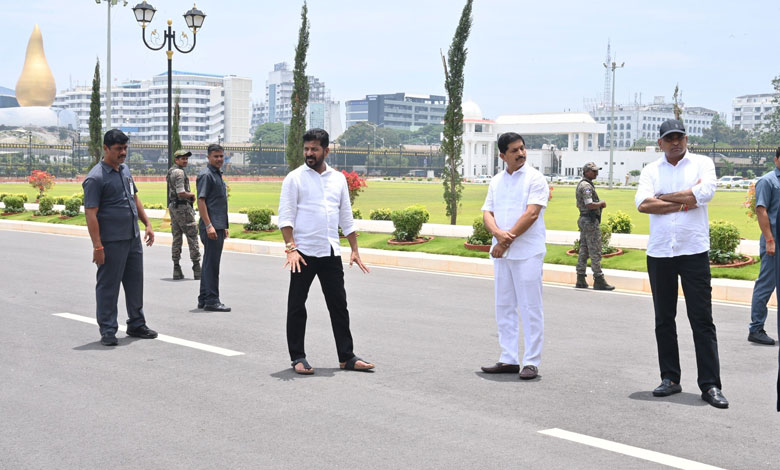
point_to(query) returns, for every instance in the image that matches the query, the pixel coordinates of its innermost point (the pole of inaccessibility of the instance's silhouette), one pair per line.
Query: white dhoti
(518, 286)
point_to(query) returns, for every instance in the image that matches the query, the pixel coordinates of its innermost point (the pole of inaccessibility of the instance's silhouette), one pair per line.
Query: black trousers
(694, 272)
(124, 265)
(330, 271)
(209, 277)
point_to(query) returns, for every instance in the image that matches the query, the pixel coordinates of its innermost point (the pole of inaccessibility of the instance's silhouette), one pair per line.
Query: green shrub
(45, 206)
(243, 210)
(13, 203)
(408, 222)
(72, 207)
(23, 197)
(619, 222)
(259, 219)
(724, 240)
(60, 200)
(480, 236)
(430, 179)
(356, 214)
(380, 214)
(2, 196)
(80, 197)
(153, 206)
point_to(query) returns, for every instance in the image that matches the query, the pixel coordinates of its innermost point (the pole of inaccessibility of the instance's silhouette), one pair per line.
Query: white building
(637, 121)
(277, 106)
(213, 107)
(750, 112)
(480, 152)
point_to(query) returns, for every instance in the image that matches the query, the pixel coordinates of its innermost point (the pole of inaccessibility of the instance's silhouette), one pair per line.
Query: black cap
(670, 126)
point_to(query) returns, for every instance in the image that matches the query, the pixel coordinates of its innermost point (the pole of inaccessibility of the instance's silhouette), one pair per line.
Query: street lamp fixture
(613, 66)
(109, 97)
(144, 12)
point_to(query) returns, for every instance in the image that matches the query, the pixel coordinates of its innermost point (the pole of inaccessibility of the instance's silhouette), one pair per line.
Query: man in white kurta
(514, 213)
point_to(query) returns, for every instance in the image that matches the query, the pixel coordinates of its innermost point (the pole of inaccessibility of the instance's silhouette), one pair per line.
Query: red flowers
(41, 180)
(355, 184)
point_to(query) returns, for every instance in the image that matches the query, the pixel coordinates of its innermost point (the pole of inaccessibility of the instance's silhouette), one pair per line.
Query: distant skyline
(524, 57)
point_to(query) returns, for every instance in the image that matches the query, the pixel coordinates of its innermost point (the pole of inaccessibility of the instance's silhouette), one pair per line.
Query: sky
(523, 56)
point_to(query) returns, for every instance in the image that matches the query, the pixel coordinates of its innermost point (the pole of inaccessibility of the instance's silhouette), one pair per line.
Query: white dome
(471, 111)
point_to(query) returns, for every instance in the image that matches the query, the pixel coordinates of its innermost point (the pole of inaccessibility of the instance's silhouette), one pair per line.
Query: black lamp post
(144, 12)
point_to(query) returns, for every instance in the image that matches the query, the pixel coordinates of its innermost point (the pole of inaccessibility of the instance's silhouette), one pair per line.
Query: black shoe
(142, 331)
(220, 307)
(760, 337)
(501, 368)
(666, 388)
(715, 397)
(201, 305)
(108, 339)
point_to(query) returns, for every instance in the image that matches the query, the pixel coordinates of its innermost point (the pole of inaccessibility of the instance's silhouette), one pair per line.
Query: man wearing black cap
(180, 201)
(675, 190)
(589, 224)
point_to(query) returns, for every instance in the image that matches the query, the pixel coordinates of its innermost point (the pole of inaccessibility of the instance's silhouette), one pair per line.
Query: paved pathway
(67, 402)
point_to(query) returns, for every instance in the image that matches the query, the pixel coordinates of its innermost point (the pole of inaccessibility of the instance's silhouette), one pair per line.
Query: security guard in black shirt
(112, 210)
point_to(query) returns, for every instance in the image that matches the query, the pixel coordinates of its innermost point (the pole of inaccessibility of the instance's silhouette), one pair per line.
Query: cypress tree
(95, 123)
(452, 144)
(300, 97)
(175, 137)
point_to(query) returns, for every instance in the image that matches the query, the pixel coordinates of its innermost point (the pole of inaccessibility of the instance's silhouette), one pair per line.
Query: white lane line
(644, 454)
(163, 338)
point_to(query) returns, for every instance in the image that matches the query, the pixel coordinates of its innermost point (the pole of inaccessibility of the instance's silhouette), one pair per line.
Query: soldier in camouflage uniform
(182, 214)
(590, 229)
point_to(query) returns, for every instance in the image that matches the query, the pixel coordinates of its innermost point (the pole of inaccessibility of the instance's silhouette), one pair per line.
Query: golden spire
(36, 85)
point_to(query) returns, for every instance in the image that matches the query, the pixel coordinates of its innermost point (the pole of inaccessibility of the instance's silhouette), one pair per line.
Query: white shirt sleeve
(646, 188)
(288, 202)
(346, 221)
(704, 191)
(488, 205)
(538, 191)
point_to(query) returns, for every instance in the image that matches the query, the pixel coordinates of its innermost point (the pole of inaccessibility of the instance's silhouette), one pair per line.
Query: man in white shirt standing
(314, 203)
(514, 213)
(675, 190)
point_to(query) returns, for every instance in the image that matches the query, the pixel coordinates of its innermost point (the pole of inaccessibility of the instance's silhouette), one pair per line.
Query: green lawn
(632, 260)
(561, 213)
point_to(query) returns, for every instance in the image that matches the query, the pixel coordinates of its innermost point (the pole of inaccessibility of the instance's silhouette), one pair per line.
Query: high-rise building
(212, 107)
(637, 121)
(8, 98)
(397, 110)
(750, 112)
(278, 102)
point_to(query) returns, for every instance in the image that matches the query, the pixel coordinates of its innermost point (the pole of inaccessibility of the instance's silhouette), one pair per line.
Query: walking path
(729, 290)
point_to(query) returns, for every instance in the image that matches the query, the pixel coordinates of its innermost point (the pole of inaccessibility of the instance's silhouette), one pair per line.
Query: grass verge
(631, 260)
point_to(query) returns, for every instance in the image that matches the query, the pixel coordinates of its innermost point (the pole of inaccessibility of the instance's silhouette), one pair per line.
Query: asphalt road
(67, 402)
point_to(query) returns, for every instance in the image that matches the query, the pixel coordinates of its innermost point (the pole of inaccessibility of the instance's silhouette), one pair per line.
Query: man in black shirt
(112, 210)
(213, 227)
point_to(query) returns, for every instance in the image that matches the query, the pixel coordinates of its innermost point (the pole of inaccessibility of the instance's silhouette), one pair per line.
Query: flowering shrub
(551, 190)
(42, 181)
(750, 201)
(355, 184)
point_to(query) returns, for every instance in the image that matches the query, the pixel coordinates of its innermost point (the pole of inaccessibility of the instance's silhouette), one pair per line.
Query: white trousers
(519, 287)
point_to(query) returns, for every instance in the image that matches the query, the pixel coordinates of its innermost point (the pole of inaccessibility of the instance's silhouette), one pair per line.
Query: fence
(70, 161)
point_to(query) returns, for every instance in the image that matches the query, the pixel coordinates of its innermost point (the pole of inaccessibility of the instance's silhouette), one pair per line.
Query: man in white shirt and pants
(514, 213)
(314, 202)
(675, 190)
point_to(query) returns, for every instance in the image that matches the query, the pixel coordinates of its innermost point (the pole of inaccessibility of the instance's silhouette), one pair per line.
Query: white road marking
(163, 338)
(644, 454)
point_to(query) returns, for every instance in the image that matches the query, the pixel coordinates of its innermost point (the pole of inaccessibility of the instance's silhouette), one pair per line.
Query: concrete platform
(728, 290)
